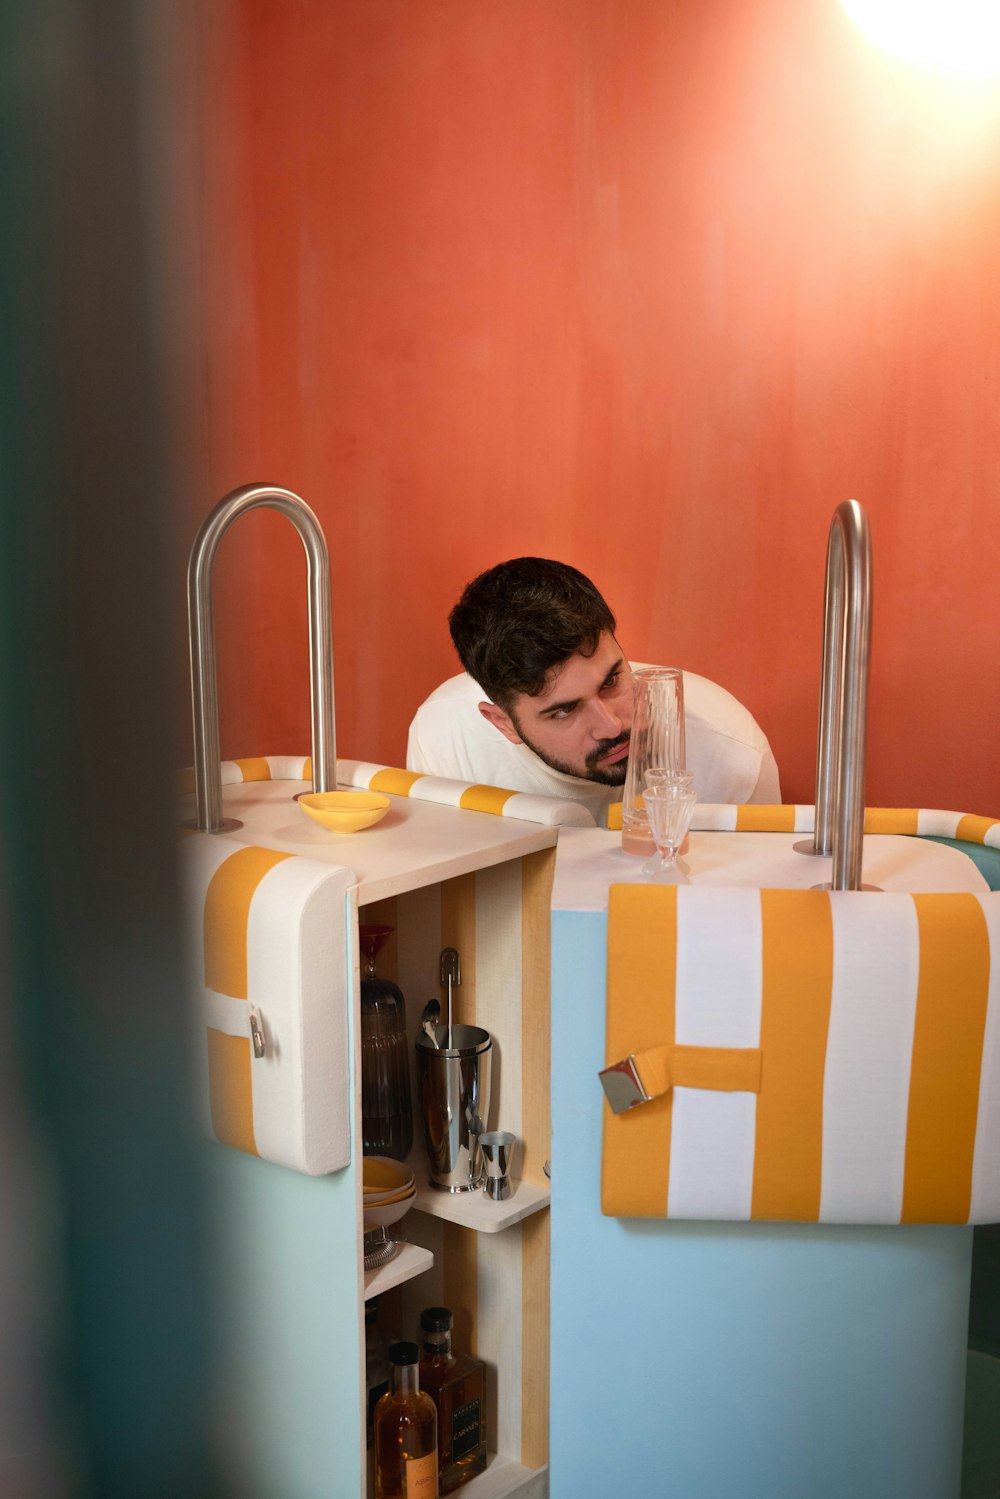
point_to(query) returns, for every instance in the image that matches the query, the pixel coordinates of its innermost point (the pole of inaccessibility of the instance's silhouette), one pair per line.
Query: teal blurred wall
(101, 1282)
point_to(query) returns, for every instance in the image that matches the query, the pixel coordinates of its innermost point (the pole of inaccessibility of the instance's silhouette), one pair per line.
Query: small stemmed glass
(670, 800)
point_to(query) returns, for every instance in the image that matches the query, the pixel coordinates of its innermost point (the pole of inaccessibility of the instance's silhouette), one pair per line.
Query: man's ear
(500, 720)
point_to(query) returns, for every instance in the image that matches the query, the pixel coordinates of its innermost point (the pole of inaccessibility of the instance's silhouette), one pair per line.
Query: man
(538, 640)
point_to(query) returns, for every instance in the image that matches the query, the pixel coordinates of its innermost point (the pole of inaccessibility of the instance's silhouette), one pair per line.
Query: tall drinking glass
(657, 742)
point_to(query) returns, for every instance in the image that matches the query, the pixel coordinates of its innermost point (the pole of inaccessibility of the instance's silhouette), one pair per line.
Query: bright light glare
(960, 35)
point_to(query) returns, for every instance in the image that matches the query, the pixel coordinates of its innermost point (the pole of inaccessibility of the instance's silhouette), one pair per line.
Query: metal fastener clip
(257, 1034)
(623, 1085)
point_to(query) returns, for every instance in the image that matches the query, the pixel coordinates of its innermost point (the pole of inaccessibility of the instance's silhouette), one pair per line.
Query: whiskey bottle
(405, 1422)
(456, 1383)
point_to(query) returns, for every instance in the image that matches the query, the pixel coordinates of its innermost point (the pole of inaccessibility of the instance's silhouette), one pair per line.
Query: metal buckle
(257, 1034)
(623, 1085)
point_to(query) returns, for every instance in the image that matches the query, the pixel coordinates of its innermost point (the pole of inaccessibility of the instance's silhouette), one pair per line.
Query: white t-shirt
(727, 753)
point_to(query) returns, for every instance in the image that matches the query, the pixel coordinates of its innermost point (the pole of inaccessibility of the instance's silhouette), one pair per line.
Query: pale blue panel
(288, 1332)
(745, 1360)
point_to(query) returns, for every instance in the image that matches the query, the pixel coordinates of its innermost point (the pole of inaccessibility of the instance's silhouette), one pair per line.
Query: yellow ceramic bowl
(345, 811)
(380, 1173)
(383, 1199)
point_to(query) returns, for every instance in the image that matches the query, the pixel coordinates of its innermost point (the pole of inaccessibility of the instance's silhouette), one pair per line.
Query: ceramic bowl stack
(389, 1189)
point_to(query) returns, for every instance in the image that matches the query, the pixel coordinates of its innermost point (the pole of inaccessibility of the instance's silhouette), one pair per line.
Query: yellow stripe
(307, 768)
(974, 829)
(761, 818)
(393, 782)
(900, 820)
(797, 953)
(952, 994)
(485, 799)
(230, 1090)
(256, 769)
(721, 1069)
(641, 1008)
(227, 911)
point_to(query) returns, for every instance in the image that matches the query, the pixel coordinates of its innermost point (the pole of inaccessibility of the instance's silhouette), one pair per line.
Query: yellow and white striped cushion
(255, 768)
(722, 817)
(877, 1022)
(266, 935)
(553, 811)
(365, 775)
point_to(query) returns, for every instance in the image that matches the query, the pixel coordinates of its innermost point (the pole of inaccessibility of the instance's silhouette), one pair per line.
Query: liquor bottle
(456, 1383)
(406, 1455)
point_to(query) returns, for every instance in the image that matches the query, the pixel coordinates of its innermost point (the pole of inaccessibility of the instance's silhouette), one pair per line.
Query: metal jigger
(498, 1155)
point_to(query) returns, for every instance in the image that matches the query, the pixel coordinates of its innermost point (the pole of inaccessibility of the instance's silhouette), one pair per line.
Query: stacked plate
(389, 1189)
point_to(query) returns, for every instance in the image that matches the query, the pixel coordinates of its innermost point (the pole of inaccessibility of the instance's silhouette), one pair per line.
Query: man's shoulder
(460, 688)
(727, 749)
(449, 736)
(719, 710)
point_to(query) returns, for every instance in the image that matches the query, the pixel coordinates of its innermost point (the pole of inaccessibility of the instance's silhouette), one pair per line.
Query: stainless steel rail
(201, 631)
(840, 754)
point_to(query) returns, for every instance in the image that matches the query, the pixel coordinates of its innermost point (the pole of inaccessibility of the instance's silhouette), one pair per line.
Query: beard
(604, 775)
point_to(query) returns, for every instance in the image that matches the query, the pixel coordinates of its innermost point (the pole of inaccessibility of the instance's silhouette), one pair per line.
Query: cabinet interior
(497, 1284)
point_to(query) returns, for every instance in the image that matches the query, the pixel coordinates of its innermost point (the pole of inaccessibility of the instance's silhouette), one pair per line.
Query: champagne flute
(670, 800)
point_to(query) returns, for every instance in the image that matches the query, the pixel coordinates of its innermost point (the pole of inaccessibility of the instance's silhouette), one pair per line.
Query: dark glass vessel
(386, 1107)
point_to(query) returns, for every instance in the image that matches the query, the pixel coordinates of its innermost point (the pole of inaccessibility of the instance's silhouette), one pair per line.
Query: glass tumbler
(657, 742)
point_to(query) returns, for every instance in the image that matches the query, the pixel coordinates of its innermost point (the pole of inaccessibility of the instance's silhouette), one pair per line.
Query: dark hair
(517, 621)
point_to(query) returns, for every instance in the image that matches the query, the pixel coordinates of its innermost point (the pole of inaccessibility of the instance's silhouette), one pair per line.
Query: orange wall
(647, 286)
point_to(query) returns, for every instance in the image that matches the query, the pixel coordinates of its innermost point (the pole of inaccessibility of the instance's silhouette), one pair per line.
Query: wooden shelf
(504, 1477)
(416, 843)
(410, 1261)
(474, 1209)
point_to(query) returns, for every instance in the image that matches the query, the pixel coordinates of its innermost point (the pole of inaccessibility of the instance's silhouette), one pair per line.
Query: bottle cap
(404, 1353)
(436, 1319)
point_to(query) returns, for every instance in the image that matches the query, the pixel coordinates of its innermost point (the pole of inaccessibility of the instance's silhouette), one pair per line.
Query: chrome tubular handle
(201, 632)
(840, 755)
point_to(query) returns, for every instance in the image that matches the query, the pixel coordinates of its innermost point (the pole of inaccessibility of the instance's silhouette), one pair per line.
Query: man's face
(580, 722)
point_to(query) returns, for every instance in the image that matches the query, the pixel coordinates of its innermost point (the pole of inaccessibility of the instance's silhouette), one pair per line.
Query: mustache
(604, 747)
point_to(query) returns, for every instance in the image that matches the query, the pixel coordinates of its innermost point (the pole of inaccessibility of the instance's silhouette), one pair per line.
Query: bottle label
(465, 1429)
(422, 1477)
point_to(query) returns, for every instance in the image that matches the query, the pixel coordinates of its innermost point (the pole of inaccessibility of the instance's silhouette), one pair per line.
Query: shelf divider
(474, 1209)
(410, 1261)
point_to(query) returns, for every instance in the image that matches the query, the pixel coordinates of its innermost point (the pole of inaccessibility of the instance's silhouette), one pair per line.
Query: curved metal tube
(201, 630)
(840, 754)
